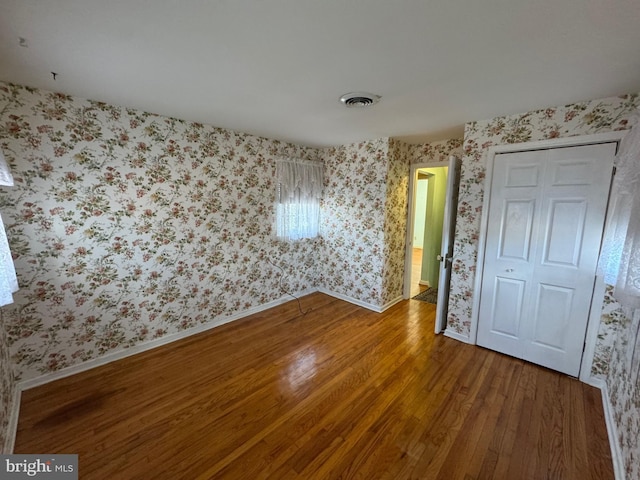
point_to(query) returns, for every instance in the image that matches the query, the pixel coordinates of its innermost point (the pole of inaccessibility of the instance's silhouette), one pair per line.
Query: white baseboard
(425, 283)
(390, 304)
(355, 301)
(151, 344)
(12, 429)
(599, 383)
(612, 429)
(457, 336)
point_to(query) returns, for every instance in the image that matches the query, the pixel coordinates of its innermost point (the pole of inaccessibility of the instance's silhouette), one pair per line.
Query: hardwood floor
(341, 392)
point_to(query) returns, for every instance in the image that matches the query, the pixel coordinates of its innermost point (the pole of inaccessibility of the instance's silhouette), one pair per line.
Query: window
(620, 257)
(298, 193)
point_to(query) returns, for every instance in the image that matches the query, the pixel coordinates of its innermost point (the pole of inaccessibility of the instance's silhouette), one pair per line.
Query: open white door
(448, 232)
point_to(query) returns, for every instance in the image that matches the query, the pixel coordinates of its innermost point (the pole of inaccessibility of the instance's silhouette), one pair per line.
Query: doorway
(439, 253)
(430, 197)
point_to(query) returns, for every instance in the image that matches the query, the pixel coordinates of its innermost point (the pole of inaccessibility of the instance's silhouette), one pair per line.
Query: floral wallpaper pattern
(127, 226)
(435, 152)
(623, 380)
(395, 221)
(352, 220)
(611, 317)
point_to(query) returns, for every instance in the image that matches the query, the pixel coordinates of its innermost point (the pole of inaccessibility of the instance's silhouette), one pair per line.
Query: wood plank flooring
(340, 392)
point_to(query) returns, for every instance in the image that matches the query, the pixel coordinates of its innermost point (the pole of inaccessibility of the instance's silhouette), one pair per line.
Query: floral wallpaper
(395, 221)
(6, 386)
(352, 220)
(435, 152)
(611, 318)
(623, 380)
(127, 226)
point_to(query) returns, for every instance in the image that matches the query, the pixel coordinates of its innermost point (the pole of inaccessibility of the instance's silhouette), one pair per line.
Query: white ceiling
(277, 68)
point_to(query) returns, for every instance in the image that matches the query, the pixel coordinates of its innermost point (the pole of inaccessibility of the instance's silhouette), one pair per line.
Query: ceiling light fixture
(359, 99)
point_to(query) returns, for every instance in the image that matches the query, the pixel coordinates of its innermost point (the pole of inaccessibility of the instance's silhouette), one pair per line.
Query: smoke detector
(359, 99)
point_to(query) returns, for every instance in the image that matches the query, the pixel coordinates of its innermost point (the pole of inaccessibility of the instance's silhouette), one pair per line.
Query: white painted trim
(406, 288)
(457, 336)
(424, 283)
(612, 429)
(408, 253)
(422, 165)
(574, 141)
(12, 428)
(151, 344)
(391, 303)
(597, 382)
(355, 301)
(615, 136)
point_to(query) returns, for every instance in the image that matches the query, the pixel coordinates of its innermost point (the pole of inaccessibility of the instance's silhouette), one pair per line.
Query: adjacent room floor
(416, 267)
(340, 392)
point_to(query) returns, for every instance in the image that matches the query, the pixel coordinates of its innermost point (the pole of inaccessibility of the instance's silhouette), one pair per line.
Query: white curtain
(620, 258)
(8, 279)
(298, 193)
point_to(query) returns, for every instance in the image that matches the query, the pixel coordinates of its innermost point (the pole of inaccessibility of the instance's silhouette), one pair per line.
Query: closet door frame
(599, 286)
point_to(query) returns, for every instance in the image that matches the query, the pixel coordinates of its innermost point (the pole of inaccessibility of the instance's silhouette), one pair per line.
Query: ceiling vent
(359, 99)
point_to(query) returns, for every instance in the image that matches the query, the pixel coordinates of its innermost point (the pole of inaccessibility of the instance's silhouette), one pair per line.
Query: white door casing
(544, 229)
